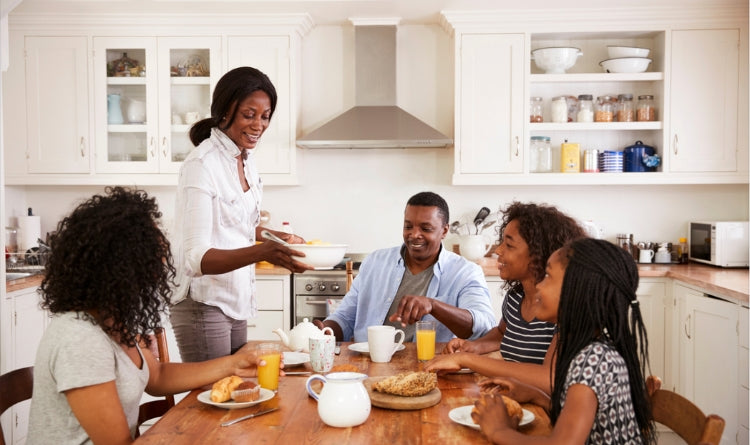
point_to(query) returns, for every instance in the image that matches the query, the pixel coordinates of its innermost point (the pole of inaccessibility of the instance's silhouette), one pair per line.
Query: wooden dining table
(297, 422)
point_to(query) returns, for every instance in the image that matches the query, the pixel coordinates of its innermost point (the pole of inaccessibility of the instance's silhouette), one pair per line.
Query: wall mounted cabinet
(700, 128)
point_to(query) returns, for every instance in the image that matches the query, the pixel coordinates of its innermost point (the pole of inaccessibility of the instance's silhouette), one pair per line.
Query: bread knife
(249, 416)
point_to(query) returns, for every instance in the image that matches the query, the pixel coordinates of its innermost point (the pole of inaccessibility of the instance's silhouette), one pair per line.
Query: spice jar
(540, 159)
(625, 108)
(604, 110)
(535, 110)
(560, 109)
(585, 108)
(645, 110)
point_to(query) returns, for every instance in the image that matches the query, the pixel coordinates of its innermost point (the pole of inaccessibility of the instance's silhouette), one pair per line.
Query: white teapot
(299, 337)
(343, 401)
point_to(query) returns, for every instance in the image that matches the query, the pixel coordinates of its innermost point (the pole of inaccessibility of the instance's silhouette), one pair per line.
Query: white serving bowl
(625, 65)
(555, 60)
(320, 256)
(615, 52)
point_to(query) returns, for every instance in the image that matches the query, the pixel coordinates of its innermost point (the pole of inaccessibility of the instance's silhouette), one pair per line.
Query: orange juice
(425, 344)
(268, 375)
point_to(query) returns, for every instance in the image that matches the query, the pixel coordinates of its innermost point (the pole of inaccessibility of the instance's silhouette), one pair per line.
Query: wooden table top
(297, 421)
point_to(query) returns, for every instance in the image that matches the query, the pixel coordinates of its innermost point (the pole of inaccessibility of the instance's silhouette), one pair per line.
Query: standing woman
(217, 219)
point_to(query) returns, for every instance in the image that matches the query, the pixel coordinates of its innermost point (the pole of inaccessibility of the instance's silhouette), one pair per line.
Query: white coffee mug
(322, 353)
(646, 256)
(381, 342)
(191, 117)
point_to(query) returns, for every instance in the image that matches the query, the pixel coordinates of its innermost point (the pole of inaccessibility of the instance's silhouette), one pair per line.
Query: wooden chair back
(15, 386)
(682, 416)
(349, 274)
(156, 408)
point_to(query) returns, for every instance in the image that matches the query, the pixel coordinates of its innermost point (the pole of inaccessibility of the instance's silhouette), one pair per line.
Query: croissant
(221, 391)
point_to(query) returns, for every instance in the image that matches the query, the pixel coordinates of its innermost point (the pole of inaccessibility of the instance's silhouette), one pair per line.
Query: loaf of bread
(221, 391)
(246, 392)
(408, 384)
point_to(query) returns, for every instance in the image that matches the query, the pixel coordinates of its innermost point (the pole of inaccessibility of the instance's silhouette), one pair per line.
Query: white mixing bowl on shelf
(555, 60)
(616, 52)
(625, 65)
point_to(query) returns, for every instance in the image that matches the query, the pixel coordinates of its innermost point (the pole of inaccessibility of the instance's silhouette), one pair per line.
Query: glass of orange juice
(425, 340)
(268, 374)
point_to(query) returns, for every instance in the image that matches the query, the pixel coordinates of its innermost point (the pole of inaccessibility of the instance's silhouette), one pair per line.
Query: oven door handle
(315, 302)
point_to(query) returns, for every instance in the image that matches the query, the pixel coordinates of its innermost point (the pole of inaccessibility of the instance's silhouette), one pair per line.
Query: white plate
(364, 348)
(462, 415)
(295, 358)
(265, 394)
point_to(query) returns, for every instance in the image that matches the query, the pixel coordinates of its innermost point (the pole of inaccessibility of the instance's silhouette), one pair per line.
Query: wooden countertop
(732, 283)
(23, 283)
(297, 421)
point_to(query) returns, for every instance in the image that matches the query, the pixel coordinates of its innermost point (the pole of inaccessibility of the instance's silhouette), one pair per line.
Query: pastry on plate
(408, 384)
(221, 391)
(246, 392)
(514, 408)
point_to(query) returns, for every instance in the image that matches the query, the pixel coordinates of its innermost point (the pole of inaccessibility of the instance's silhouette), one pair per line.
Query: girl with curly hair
(529, 233)
(106, 284)
(599, 394)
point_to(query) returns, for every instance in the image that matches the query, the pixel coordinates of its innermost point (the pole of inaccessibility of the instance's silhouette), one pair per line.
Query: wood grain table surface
(297, 421)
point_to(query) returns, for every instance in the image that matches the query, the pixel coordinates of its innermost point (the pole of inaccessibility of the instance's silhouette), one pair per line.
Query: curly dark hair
(230, 90)
(109, 257)
(544, 228)
(598, 303)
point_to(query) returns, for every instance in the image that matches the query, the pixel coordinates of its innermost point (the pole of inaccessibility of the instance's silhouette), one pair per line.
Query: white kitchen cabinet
(276, 57)
(23, 326)
(653, 301)
(170, 88)
(274, 307)
(704, 100)
(490, 74)
(57, 92)
(495, 285)
(708, 344)
(743, 373)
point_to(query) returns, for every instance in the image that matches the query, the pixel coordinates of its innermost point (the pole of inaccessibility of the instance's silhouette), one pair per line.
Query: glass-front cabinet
(148, 92)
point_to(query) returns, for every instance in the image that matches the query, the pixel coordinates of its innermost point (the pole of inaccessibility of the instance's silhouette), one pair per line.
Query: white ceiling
(338, 11)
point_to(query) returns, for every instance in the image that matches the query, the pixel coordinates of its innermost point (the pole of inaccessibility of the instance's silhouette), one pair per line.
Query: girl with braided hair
(599, 393)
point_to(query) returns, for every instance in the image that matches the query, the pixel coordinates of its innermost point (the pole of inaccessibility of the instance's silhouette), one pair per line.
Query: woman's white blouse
(212, 211)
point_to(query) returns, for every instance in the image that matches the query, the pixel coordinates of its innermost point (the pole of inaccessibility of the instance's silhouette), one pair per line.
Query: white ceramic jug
(473, 247)
(343, 401)
(136, 111)
(114, 111)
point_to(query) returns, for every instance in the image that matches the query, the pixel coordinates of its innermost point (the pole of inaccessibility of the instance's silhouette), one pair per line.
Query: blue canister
(114, 110)
(640, 158)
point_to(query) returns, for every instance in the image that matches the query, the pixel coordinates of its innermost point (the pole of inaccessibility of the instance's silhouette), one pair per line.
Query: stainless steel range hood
(375, 121)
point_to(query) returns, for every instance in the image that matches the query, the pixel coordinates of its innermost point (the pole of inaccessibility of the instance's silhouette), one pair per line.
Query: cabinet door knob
(83, 146)
(687, 330)
(675, 143)
(151, 144)
(164, 147)
(517, 145)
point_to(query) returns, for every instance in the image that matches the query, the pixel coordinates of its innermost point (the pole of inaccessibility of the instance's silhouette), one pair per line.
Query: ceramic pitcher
(114, 110)
(343, 401)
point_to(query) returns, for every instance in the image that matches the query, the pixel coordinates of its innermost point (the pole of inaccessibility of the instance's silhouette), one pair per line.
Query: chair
(682, 416)
(15, 386)
(156, 408)
(349, 276)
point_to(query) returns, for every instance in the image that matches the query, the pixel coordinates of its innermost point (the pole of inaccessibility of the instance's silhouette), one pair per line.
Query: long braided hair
(598, 302)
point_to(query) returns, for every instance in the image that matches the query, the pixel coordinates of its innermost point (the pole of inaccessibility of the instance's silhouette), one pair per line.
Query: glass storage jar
(585, 108)
(646, 111)
(560, 109)
(604, 111)
(625, 108)
(535, 110)
(540, 159)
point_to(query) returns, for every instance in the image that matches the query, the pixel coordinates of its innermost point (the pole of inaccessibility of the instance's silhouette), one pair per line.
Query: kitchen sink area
(10, 276)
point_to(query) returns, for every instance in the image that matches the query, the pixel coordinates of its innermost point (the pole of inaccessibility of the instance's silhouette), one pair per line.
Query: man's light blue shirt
(456, 281)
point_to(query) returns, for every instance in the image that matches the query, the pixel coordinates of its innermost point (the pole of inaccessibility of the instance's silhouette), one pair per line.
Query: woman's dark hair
(430, 199)
(232, 89)
(110, 258)
(544, 228)
(598, 302)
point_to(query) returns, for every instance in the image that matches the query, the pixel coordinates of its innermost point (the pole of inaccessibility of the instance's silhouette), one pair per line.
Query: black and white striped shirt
(525, 342)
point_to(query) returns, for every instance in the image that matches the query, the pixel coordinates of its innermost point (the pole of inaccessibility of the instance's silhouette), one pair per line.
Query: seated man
(419, 280)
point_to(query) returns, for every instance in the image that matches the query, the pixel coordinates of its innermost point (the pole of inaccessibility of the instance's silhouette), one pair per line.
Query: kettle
(299, 337)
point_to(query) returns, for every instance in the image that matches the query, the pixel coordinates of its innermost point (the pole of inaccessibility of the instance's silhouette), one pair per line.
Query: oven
(316, 292)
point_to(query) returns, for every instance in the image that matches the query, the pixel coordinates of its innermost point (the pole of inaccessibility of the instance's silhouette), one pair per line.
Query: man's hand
(411, 309)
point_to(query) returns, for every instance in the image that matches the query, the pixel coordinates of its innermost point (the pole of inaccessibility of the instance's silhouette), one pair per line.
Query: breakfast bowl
(555, 60)
(616, 52)
(321, 256)
(625, 65)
